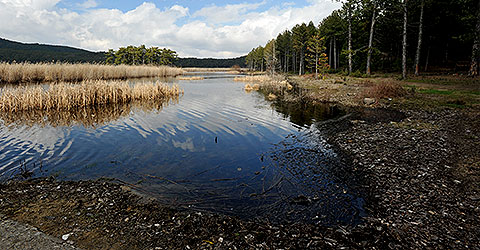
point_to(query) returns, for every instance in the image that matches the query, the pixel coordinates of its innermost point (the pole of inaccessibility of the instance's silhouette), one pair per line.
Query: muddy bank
(102, 214)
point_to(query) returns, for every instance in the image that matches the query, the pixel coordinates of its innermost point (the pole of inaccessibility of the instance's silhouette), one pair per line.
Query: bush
(384, 90)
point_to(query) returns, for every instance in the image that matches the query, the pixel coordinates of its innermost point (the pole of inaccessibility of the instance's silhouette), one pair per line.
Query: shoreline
(418, 168)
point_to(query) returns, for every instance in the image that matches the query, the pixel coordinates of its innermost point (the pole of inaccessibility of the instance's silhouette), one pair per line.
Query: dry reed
(213, 69)
(64, 72)
(249, 87)
(65, 96)
(271, 97)
(265, 82)
(191, 78)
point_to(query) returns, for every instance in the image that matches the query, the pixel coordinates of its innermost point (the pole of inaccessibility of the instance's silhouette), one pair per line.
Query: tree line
(210, 62)
(380, 35)
(132, 55)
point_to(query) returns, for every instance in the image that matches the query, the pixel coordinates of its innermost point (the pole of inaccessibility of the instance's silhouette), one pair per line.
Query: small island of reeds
(70, 96)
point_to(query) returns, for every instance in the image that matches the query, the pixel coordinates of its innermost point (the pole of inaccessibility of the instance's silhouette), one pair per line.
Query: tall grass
(64, 72)
(66, 96)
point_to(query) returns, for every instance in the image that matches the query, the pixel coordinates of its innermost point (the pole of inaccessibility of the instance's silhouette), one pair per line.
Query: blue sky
(193, 28)
(192, 5)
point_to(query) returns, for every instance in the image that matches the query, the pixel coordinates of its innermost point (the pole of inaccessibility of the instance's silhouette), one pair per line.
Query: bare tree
(419, 44)
(475, 64)
(370, 40)
(404, 43)
(349, 37)
(334, 53)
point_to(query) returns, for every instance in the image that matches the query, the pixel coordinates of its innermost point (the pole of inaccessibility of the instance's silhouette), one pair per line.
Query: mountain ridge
(13, 51)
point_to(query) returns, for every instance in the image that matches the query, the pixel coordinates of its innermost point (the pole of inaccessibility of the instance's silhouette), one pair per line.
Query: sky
(198, 28)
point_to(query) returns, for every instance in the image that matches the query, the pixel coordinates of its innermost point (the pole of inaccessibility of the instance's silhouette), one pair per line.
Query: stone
(369, 101)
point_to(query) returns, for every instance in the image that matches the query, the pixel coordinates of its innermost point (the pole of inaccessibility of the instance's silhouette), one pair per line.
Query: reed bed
(265, 82)
(64, 72)
(191, 78)
(214, 69)
(249, 87)
(67, 96)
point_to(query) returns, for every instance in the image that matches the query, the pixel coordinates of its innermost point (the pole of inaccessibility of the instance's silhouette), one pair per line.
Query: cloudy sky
(197, 28)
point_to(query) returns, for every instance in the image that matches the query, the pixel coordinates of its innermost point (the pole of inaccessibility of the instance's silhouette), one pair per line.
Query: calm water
(216, 148)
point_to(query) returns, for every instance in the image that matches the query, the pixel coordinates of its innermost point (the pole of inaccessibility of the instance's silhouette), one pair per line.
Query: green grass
(454, 105)
(445, 80)
(436, 91)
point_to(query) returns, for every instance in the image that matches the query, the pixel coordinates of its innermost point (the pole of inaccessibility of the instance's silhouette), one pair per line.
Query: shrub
(384, 90)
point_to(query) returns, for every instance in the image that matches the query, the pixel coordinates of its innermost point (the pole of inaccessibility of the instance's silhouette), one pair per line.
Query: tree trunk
(475, 64)
(350, 40)
(316, 65)
(370, 40)
(428, 58)
(300, 70)
(335, 53)
(330, 53)
(274, 57)
(419, 44)
(294, 62)
(404, 43)
(287, 57)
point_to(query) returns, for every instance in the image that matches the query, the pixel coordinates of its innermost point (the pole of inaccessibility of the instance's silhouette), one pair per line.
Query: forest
(365, 36)
(210, 62)
(11, 51)
(141, 55)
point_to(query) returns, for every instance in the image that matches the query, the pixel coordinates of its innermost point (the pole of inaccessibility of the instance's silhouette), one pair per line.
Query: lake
(216, 148)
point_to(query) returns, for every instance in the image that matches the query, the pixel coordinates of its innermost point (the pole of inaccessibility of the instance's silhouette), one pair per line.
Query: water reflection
(218, 148)
(88, 117)
(305, 114)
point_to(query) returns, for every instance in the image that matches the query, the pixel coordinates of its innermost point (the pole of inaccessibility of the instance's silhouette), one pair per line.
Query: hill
(33, 52)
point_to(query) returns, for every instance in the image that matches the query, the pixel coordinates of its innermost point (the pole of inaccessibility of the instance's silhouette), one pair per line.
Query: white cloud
(228, 13)
(31, 4)
(88, 4)
(200, 35)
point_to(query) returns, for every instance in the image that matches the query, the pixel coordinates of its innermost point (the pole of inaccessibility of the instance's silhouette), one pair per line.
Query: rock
(369, 101)
(66, 236)
(301, 200)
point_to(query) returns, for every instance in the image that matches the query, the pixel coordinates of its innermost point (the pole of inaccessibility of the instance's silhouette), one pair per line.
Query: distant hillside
(33, 52)
(210, 62)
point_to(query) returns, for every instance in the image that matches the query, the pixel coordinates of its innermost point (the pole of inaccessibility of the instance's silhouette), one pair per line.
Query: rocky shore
(421, 173)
